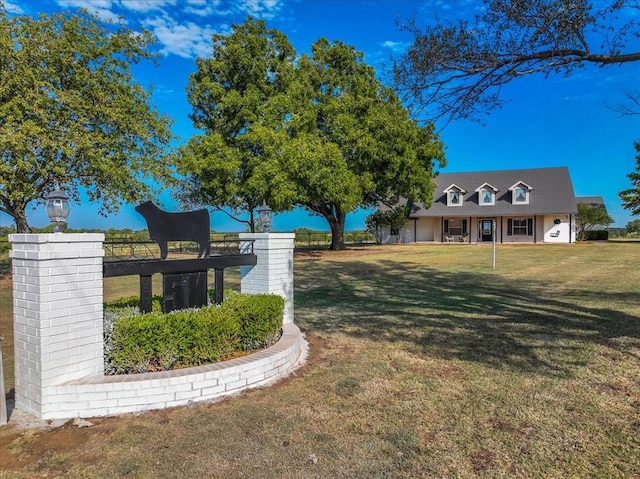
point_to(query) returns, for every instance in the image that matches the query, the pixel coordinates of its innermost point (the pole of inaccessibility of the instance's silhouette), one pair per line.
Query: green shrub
(5, 246)
(596, 235)
(260, 318)
(190, 337)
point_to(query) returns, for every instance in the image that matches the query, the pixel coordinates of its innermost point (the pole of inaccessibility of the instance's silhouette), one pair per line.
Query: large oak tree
(71, 116)
(231, 92)
(350, 141)
(319, 131)
(456, 69)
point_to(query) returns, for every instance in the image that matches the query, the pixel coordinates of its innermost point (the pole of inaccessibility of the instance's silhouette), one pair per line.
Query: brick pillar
(57, 313)
(274, 271)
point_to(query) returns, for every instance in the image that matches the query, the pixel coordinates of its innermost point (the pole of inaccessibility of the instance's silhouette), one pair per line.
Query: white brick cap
(259, 236)
(56, 237)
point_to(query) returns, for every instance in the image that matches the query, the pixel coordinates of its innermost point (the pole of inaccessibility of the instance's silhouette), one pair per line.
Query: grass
(425, 362)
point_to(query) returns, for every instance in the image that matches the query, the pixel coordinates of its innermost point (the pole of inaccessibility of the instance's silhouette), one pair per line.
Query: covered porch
(483, 229)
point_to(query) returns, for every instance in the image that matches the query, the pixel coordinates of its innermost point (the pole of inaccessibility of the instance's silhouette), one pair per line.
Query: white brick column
(274, 271)
(57, 313)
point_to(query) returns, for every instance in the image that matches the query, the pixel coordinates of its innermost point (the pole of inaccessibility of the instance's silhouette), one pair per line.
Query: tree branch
(457, 70)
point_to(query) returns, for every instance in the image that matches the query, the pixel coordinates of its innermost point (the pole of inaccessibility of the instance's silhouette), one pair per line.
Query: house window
(455, 195)
(520, 195)
(486, 194)
(520, 227)
(487, 197)
(455, 227)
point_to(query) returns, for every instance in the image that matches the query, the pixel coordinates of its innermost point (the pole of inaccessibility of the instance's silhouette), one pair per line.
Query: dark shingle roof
(552, 193)
(591, 200)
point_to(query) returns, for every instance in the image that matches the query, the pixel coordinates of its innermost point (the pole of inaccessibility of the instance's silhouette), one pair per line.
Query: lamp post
(495, 234)
(264, 218)
(57, 208)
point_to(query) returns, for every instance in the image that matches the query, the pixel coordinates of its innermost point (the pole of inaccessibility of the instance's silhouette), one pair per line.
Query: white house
(519, 206)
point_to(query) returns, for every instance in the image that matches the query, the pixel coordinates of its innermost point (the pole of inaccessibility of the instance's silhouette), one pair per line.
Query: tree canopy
(319, 132)
(590, 216)
(633, 227)
(71, 116)
(391, 220)
(232, 92)
(631, 197)
(456, 70)
(360, 145)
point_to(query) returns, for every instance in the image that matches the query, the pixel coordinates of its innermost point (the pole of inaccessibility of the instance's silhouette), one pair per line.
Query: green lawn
(425, 362)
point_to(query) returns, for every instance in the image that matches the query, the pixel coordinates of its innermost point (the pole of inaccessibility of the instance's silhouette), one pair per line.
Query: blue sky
(555, 121)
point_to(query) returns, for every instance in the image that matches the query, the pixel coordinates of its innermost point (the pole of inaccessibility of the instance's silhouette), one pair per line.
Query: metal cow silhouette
(188, 226)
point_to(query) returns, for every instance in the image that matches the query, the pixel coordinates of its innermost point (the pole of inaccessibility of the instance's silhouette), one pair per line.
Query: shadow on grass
(520, 325)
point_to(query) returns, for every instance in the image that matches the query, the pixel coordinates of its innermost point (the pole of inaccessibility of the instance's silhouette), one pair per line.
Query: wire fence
(221, 243)
(324, 239)
(130, 249)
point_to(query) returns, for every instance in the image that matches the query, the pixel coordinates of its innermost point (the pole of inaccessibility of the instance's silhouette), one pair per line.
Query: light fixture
(264, 217)
(57, 208)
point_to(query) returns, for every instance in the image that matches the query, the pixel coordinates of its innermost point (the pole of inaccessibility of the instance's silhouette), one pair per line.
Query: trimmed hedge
(191, 337)
(260, 318)
(596, 235)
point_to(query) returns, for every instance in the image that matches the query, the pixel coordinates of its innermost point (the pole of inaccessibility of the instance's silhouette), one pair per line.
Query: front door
(486, 230)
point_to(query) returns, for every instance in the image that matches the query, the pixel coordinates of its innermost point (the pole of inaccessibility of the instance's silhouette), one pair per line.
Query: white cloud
(101, 4)
(395, 47)
(581, 98)
(204, 8)
(259, 8)
(163, 92)
(185, 40)
(444, 5)
(182, 27)
(144, 6)
(11, 7)
(101, 8)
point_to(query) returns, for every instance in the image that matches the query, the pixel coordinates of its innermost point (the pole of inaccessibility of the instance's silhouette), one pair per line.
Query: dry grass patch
(424, 362)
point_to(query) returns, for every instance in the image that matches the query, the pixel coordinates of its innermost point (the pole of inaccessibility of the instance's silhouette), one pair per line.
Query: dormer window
(520, 193)
(455, 195)
(486, 195)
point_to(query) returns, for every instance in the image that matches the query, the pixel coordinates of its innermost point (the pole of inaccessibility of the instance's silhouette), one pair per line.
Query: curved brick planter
(111, 395)
(58, 332)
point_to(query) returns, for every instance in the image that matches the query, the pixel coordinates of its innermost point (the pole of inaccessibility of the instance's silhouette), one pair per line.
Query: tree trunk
(335, 217)
(252, 223)
(337, 231)
(20, 217)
